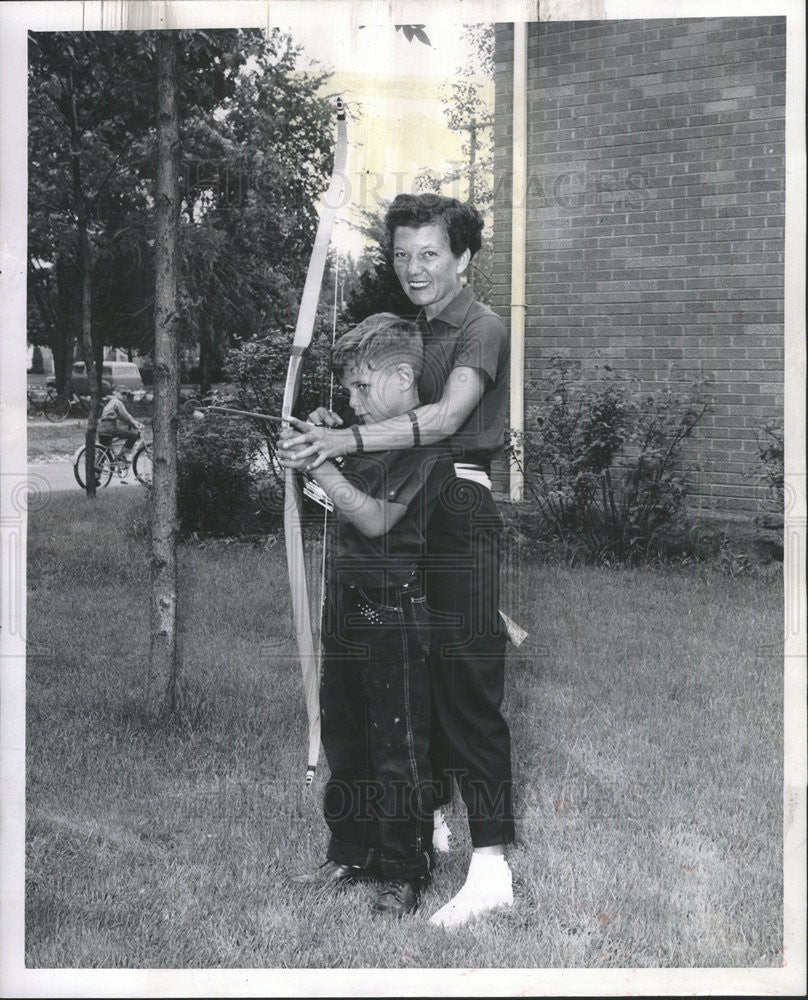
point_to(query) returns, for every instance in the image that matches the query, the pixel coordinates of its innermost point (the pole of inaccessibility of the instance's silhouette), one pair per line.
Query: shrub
(229, 480)
(771, 466)
(257, 370)
(602, 462)
(217, 481)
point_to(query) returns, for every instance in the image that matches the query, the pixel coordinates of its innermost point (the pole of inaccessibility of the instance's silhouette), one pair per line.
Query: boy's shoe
(333, 874)
(398, 897)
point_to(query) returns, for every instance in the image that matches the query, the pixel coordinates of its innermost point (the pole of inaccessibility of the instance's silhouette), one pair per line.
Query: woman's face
(426, 267)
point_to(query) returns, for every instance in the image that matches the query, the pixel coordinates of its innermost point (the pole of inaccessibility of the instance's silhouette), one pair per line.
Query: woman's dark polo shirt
(467, 334)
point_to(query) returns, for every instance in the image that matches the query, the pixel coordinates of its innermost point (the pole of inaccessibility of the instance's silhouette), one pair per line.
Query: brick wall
(656, 173)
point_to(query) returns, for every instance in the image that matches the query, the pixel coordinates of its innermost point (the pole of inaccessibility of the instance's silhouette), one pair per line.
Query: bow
(293, 499)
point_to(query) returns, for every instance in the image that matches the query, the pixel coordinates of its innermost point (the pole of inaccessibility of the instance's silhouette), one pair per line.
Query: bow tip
(310, 775)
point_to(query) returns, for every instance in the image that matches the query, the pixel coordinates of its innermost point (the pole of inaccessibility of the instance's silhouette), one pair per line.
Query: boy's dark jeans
(375, 711)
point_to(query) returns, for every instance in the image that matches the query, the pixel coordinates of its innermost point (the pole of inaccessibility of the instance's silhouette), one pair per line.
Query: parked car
(125, 373)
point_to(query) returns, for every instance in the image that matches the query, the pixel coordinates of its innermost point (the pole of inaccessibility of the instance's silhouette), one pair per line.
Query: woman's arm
(436, 421)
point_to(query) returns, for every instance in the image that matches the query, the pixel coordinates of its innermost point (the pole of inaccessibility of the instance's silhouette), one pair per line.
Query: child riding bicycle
(116, 423)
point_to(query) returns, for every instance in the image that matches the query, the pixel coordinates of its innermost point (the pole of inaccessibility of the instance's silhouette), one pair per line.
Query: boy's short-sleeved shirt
(415, 478)
(467, 334)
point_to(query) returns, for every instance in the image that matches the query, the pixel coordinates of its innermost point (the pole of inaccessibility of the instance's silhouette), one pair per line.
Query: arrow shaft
(245, 413)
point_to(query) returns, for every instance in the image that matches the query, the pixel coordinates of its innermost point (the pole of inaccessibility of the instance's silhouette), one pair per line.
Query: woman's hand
(287, 458)
(290, 460)
(307, 446)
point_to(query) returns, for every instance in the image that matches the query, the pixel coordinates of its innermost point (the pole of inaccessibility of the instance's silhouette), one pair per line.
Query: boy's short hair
(461, 220)
(379, 340)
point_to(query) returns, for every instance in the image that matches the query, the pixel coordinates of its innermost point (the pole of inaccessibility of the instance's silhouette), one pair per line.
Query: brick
(723, 105)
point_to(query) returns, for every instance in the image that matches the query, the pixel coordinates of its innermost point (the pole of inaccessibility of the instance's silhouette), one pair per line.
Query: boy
(116, 422)
(464, 403)
(374, 694)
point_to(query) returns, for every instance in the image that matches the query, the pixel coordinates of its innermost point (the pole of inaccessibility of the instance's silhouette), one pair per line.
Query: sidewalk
(46, 477)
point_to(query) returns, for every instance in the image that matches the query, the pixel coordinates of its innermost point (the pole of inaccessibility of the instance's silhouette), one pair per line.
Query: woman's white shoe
(489, 884)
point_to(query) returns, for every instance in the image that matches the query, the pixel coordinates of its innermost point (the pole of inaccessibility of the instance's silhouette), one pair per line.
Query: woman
(464, 398)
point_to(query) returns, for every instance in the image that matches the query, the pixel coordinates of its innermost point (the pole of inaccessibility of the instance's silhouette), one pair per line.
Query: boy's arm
(126, 415)
(371, 516)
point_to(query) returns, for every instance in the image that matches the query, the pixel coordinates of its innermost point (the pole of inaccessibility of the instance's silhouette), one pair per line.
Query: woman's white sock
(441, 834)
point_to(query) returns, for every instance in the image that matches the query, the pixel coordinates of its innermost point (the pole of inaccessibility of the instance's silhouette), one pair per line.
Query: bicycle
(109, 462)
(47, 402)
(58, 407)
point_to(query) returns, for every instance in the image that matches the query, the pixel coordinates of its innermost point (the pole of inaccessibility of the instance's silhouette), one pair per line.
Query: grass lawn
(646, 716)
(53, 442)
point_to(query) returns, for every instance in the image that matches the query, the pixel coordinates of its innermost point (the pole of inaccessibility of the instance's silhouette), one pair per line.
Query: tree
(91, 103)
(467, 108)
(37, 361)
(86, 115)
(78, 109)
(251, 177)
(116, 240)
(85, 268)
(255, 139)
(164, 662)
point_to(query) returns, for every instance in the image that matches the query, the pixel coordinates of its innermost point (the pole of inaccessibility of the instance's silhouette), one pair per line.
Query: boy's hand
(292, 425)
(324, 417)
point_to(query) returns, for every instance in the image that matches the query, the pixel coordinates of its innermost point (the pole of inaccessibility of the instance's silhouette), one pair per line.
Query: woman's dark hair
(461, 220)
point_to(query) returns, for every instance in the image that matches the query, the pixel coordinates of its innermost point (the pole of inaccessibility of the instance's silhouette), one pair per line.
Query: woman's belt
(474, 471)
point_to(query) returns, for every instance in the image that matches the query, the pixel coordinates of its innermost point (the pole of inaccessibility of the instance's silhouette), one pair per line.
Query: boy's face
(375, 393)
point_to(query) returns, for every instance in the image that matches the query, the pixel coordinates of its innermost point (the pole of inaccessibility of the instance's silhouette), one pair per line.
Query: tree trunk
(164, 661)
(206, 341)
(85, 257)
(58, 323)
(64, 338)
